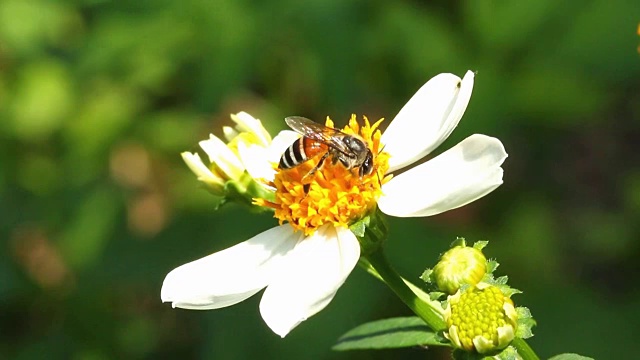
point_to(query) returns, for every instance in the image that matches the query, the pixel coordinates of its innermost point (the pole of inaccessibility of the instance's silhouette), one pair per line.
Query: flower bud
(226, 174)
(459, 266)
(480, 318)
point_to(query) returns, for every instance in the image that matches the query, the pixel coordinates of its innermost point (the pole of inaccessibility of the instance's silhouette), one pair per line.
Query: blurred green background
(98, 98)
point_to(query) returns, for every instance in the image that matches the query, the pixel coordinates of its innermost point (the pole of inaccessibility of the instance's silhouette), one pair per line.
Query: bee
(350, 150)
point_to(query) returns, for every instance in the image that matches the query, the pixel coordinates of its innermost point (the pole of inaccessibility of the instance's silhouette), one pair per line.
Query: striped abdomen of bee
(300, 151)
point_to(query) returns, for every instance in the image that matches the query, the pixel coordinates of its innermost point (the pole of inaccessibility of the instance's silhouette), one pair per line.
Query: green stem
(524, 349)
(430, 314)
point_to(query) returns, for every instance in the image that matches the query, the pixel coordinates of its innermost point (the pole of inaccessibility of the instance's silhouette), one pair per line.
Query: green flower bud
(480, 318)
(459, 266)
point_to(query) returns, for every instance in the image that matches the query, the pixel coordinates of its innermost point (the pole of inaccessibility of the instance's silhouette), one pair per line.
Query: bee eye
(367, 166)
(355, 144)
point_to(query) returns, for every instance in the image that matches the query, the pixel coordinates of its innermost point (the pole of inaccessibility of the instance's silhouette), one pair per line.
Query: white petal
(462, 174)
(220, 154)
(255, 160)
(427, 119)
(452, 335)
(250, 124)
(482, 344)
(204, 174)
(260, 161)
(231, 275)
(309, 278)
(229, 133)
(280, 143)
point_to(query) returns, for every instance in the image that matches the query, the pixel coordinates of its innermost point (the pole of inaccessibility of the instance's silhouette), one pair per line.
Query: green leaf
(569, 356)
(390, 333)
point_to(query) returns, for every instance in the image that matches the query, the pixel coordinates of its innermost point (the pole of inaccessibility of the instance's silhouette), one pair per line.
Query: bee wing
(324, 134)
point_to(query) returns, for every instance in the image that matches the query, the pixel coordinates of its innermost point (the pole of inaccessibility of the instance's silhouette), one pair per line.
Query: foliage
(390, 333)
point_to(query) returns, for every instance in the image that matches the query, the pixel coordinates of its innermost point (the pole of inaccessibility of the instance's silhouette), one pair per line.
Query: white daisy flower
(303, 261)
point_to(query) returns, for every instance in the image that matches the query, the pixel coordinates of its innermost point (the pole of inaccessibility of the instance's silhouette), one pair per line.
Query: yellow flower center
(480, 312)
(334, 194)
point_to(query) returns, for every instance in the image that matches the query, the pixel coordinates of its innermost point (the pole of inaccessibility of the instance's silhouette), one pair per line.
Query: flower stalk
(426, 311)
(524, 349)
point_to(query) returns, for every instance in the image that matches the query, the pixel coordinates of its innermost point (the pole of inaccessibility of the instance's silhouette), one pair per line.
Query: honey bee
(350, 150)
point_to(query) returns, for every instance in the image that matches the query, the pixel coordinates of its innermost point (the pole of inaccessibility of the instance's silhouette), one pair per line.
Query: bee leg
(315, 168)
(306, 187)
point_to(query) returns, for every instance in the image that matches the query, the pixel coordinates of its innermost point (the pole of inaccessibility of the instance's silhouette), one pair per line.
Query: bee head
(357, 147)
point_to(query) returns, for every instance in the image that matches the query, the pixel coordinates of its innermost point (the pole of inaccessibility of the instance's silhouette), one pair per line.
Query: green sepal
(509, 291)
(492, 265)
(481, 244)
(509, 353)
(525, 323)
(459, 241)
(427, 275)
(371, 231)
(431, 287)
(243, 191)
(390, 333)
(236, 191)
(358, 229)
(257, 190)
(435, 295)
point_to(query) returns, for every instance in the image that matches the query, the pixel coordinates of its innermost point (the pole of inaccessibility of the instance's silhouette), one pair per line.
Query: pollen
(334, 194)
